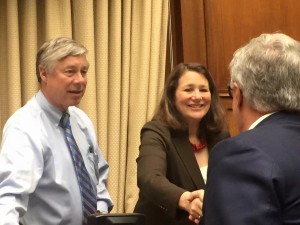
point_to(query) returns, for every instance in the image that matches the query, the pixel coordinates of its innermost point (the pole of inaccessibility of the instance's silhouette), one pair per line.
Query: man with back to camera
(254, 177)
(51, 168)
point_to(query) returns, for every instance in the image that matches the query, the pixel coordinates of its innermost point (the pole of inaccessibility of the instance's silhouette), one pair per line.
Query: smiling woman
(192, 97)
(170, 171)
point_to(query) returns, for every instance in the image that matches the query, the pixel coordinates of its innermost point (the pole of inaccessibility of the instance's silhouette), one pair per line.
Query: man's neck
(249, 116)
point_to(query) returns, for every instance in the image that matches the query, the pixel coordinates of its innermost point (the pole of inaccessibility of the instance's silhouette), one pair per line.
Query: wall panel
(211, 30)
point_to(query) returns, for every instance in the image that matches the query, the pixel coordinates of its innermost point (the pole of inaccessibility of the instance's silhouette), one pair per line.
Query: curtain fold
(127, 42)
(13, 57)
(148, 55)
(28, 48)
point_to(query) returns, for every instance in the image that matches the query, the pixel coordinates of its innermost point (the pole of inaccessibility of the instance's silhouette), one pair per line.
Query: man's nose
(79, 77)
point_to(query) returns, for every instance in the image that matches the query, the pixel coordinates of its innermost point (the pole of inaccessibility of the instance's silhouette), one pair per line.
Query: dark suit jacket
(254, 178)
(167, 167)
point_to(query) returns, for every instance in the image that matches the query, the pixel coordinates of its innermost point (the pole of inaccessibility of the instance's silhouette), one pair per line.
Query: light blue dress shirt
(38, 184)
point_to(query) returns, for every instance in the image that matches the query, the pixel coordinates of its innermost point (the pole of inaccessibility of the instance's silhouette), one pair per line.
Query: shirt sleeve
(20, 171)
(104, 202)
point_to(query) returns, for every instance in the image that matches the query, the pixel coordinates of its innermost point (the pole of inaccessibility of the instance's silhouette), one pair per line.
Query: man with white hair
(51, 168)
(254, 177)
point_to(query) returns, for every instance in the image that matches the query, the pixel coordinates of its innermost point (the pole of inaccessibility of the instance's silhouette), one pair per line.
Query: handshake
(192, 202)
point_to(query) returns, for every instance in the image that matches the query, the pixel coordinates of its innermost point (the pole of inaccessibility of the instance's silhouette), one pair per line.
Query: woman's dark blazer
(167, 167)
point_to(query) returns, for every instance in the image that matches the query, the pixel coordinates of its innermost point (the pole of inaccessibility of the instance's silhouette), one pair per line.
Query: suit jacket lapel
(183, 147)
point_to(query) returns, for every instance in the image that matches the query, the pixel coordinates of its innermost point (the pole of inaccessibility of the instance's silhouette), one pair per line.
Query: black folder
(117, 219)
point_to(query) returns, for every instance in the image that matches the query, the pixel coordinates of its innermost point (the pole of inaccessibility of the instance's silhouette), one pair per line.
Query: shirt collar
(54, 113)
(253, 125)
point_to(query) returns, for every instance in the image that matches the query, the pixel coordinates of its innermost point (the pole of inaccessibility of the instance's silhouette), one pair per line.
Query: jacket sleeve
(152, 172)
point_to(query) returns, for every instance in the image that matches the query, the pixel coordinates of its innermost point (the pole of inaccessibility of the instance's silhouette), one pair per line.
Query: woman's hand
(195, 207)
(185, 200)
(192, 203)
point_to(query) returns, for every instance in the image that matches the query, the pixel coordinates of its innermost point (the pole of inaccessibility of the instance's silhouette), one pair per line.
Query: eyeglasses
(229, 89)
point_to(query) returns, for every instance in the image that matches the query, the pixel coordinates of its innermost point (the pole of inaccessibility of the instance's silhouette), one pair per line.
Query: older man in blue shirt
(39, 183)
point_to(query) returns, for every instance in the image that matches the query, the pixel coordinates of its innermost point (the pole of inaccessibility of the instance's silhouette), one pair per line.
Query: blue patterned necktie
(89, 201)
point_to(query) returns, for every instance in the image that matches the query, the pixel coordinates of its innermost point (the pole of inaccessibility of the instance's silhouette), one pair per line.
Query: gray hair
(267, 71)
(55, 50)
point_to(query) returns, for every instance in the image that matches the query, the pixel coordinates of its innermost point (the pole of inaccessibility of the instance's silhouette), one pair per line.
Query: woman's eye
(188, 90)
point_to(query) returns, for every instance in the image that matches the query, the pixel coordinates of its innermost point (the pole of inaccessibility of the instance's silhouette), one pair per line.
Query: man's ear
(43, 74)
(238, 94)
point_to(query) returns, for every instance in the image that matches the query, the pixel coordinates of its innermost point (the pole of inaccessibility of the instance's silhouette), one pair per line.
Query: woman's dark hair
(213, 121)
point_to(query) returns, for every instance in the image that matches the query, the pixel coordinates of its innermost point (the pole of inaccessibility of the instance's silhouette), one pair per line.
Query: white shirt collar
(259, 120)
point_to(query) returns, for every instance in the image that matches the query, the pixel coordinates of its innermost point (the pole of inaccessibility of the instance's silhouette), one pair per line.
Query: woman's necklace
(200, 146)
